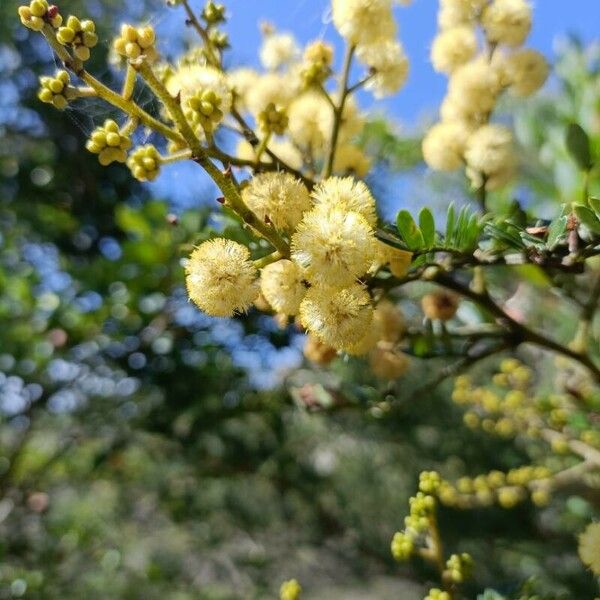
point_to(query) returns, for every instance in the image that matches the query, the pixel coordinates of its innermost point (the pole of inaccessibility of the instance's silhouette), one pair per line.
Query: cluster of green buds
(134, 42)
(403, 545)
(144, 163)
(505, 489)
(437, 594)
(273, 120)
(290, 590)
(459, 567)
(55, 90)
(422, 507)
(317, 60)
(79, 35)
(213, 13)
(219, 39)
(203, 110)
(109, 143)
(37, 13)
(429, 482)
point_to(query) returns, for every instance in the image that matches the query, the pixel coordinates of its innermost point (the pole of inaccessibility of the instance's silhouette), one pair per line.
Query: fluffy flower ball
(281, 283)
(277, 197)
(347, 194)
(490, 156)
(444, 145)
(526, 71)
(278, 50)
(474, 87)
(390, 63)
(453, 13)
(453, 47)
(220, 278)
(589, 547)
(507, 21)
(364, 21)
(339, 317)
(334, 246)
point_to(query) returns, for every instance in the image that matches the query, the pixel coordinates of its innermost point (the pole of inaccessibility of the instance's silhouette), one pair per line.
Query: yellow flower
(309, 117)
(458, 12)
(390, 63)
(221, 278)
(282, 285)
(526, 71)
(290, 590)
(335, 247)
(240, 83)
(271, 88)
(474, 87)
(351, 159)
(277, 197)
(444, 145)
(339, 317)
(364, 21)
(278, 50)
(490, 156)
(507, 21)
(453, 47)
(589, 547)
(347, 194)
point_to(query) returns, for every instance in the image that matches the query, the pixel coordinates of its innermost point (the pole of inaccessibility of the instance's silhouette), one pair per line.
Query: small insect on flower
(220, 278)
(278, 197)
(334, 246)
(339, 317)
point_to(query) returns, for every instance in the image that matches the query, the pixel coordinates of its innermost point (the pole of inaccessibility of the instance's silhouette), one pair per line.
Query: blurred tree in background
(139, 459)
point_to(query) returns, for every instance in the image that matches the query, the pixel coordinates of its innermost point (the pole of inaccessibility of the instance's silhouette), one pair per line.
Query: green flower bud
(273, 120)
(79, 35)
(53, 90)
(144, 163)
(203, 110)
(35, 15)
(402, 546)
(134, 42)
(109, 143)
(213, 13)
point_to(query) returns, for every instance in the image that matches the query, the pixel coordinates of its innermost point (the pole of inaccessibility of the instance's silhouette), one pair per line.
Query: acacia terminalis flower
(363, 21)
(37, 12)
(474, 87)
(317, 60)
(134, 42)
(144, 163)
(334, 247)
(507, 21)
(277, 197)
(444, 145)
(402, 546)
(589, 547)
(278, 50)
(53, 90)
(351, 159)
(109, 143)
(453, 13)
(282, 285)
(490, 156)
(390, 64)
(347, 194)
(220, 277)
(453, 47)
(188, 79)
(339, 317)
(526, 71)
(79, 35)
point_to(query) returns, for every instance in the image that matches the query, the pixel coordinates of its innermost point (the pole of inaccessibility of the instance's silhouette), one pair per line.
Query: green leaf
(595, 204)
(427, 225)
(578, 144)
(132, 221)
(556, 231)
(408, 230)
(588, 218)
(450, 219)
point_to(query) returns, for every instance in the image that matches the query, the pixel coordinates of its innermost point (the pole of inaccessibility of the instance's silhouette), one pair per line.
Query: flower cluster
(39, 12)
(79, 35)
(464, 135)
(109, 143)
(134, 42)
(55, 90)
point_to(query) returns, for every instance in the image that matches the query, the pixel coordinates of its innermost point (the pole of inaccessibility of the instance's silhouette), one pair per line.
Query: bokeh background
(148, 451)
